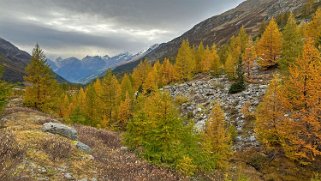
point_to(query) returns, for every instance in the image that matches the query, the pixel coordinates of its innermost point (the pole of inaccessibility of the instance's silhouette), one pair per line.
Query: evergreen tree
(270, 45)
(185, 62)
(292, 43)
(43, 91)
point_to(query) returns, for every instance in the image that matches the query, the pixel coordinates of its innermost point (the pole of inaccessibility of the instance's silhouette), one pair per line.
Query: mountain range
(88, 68)
(219, 29)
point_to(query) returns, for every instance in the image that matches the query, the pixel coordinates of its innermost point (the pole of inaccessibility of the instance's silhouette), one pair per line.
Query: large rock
(83, 147)
(61, 129)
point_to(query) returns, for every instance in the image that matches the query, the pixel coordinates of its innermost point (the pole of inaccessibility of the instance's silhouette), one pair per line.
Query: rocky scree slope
(201, 93)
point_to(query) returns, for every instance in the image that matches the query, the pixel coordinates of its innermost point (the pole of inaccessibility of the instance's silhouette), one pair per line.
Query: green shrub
(237, 87)
(5, 90)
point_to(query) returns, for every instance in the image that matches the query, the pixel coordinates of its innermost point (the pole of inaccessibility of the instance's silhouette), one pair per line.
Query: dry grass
(57, 148)
(115, 163)
(10, 154)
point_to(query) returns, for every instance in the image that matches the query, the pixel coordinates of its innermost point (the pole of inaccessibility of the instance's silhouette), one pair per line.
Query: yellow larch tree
(42, 91)
(185, 61)
(302, 129)
(269, 116)
(313, 29)
(216, 140)
(140, 74)
(126, 87)
(230, 66)
(249, 56)
(150, 85)
(200, 55)
(168, 73)
(124, 113)
(207, 59)
(215, 63)
(269, 47)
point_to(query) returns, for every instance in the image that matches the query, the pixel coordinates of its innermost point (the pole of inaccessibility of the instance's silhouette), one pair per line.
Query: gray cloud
(82, 27)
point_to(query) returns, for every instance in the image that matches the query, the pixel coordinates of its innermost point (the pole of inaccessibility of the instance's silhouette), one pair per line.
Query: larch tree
(43, 91)
(269, 47)
(249, 57)
(110, 97)
(140, 74)
(269, 116)
(215, 63)
(244, 39)
(312, 30)
(292, 43)
(150, 85)
(168, 73)
(302, 93)
(65, 107)
(207, 60)
(125, 112)
(126, 87)
(216, 139)
(230, 66)
(200, 55)
(185, 61)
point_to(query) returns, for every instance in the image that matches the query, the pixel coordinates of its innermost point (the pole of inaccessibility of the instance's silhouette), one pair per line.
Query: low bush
(10, 154)
(237, 87)
(56, 148)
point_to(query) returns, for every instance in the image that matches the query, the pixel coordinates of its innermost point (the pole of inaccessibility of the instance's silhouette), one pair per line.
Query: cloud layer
(98, 27)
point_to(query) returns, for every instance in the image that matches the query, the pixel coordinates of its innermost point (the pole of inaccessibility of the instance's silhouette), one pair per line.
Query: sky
(65, 28)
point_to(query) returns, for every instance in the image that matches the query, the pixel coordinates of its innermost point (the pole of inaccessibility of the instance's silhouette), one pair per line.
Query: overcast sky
(98, 27)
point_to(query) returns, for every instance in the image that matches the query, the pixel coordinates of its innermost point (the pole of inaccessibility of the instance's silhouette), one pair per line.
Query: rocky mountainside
(14, 62)
(218, 29)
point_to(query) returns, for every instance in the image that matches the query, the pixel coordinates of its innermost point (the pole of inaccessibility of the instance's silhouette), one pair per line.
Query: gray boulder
(61, 129)
(83, 147)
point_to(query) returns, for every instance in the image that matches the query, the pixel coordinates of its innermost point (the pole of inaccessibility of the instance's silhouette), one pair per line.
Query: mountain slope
(14, 62)
(220, 28)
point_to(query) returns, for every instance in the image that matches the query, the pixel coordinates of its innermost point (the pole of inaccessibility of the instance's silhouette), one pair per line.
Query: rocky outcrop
(61, 129)
(202, 93)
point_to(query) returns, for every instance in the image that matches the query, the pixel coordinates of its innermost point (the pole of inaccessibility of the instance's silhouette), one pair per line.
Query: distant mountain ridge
(218, 29)
(14, 62)
(90, 67)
